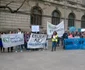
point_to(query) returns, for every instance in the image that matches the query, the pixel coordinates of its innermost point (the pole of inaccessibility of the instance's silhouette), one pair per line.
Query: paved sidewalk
(43, 60)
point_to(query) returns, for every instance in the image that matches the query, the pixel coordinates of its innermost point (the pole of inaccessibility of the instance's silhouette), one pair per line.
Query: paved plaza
(43, 60)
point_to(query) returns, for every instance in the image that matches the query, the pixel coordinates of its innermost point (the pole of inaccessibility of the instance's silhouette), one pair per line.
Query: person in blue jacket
(2, 49)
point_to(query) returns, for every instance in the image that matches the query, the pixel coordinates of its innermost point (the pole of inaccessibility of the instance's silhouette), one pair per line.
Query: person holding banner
(10, 48)
(26, 39)
(1, 45)
(54, 41)
(70, 35)
(19, 46)
(65, 36)
(77, 35)
(46, 44)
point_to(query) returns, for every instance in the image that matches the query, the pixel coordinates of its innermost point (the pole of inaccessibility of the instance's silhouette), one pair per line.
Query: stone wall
(21, 19)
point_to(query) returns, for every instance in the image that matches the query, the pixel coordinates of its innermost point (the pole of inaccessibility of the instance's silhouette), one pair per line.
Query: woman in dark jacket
(65, 36)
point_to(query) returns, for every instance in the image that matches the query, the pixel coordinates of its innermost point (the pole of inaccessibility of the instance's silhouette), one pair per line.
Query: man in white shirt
(20, 46)
(19, 31)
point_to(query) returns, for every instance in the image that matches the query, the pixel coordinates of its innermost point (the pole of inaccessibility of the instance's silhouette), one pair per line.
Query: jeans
(18, 47)
(54, 45)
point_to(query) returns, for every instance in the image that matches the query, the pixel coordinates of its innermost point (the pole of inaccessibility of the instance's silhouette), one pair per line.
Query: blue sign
(72, 29)
(79, 29)
(71, 44)
(83, 44)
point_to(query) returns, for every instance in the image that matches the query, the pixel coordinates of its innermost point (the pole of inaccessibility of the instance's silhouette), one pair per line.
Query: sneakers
(21, 51)
(16, 51)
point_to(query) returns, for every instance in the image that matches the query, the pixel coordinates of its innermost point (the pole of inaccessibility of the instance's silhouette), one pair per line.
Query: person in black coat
(65, 36)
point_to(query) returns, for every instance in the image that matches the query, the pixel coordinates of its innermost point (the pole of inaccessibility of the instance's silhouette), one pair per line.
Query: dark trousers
(2, 49)
(10, 49)
(25, 44)
(63, 44)
(53, 48)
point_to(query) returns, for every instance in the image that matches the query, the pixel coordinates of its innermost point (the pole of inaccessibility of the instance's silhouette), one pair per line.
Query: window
(36, 16)
(83, 21)
(55, 17)
(71, 19)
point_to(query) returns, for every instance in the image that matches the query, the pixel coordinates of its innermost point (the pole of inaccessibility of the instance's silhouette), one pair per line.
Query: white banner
(37, 41)
(82, 29)
(58, 28)
(10, 40)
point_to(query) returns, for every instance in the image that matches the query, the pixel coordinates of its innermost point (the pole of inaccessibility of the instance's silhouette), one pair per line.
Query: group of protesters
(72, 35)
(26, 39)
(56, 41)
(67, 35)
(75, 34)
(20, 47)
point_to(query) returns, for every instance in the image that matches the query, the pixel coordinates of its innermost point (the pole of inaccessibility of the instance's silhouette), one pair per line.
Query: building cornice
(77, 6)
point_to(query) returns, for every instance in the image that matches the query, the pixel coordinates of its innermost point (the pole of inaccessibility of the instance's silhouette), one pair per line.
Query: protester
(70, 35)
(10, 48)
(26, 39)
(58, 43)
(77, 35)
(83, 34)
(46, 43)
(19, 46)
(54, 41)
(65, 36)
(2, 48)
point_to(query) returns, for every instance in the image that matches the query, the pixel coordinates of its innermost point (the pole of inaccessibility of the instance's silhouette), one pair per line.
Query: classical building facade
(24, 13)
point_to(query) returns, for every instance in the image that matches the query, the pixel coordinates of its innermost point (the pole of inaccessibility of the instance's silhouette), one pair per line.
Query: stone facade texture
(21, 19)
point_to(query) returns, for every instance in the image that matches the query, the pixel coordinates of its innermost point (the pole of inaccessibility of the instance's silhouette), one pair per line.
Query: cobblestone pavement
(43, 60)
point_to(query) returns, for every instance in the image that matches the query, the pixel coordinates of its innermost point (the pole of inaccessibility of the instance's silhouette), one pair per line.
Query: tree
(10, 9)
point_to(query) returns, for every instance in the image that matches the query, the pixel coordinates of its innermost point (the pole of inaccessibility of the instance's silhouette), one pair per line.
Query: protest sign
(9, 40)
(83, 30)
(75, 43)
(37, 40)
(71, 44)
(35, 28)
(58, 28)
(79, 29)
(72, 29)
